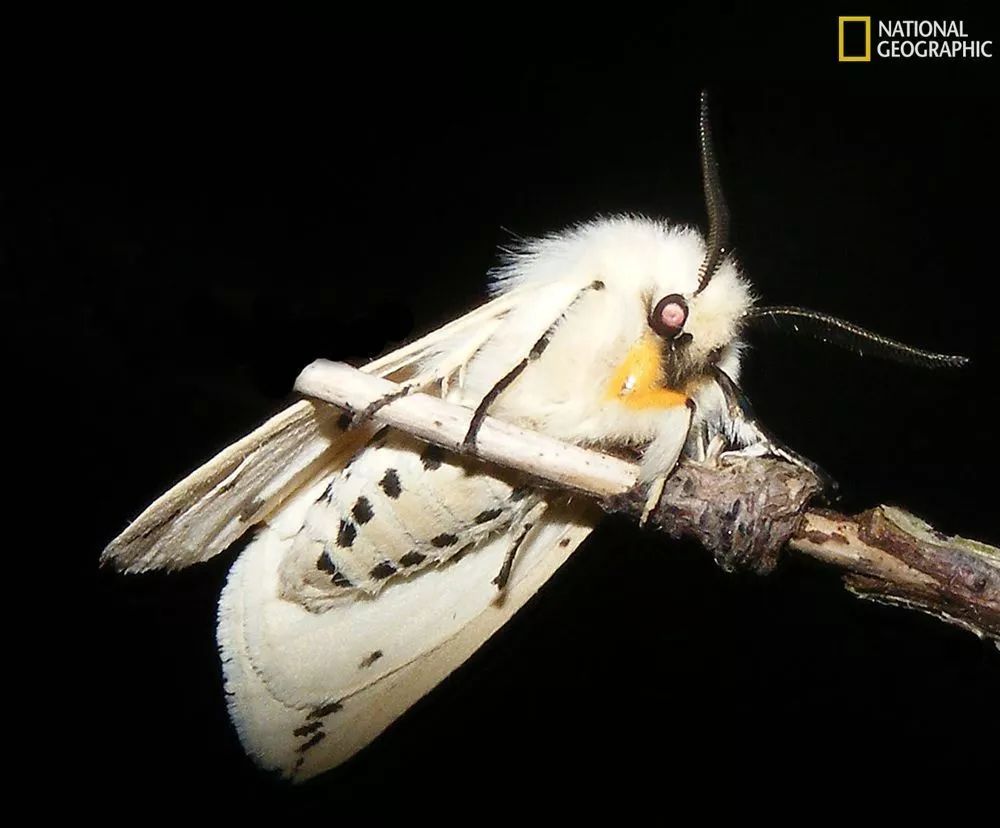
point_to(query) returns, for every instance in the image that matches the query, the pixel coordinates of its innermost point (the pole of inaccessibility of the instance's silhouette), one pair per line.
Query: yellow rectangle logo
(855, 57)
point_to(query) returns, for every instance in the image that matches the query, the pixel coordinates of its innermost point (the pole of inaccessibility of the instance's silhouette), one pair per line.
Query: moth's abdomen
(399, 506)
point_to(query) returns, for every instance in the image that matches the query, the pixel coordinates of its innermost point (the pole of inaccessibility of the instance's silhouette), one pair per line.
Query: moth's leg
(416, 382)
(756, 439)
(533, 515)
(704, 445)
(715, 449)
(661, 455)
(536, 351)
(652, 498)
(370, 410)
(696, 447)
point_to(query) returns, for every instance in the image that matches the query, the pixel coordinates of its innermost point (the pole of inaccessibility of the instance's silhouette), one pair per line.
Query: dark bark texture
(747, 511)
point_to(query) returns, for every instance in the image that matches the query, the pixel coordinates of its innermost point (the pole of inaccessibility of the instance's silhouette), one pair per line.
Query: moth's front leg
(660, 457)
(505, 381)
(749, 438)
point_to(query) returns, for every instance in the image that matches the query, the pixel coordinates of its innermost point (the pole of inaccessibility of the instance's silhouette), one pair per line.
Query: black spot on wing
(412, 558)
(326, 709)
(346, 534)
(564, 542)
(315, 740)
(343, 421)
(488, 515)
(520, 493)
(369, 660)
(390, 483)
(328, 492)
(362, 510)
(444, 539)
(382, 571)
(324, 564)
(432, 457)
(306, 729)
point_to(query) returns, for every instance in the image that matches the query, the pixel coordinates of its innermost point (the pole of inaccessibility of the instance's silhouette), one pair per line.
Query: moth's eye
(669, 316)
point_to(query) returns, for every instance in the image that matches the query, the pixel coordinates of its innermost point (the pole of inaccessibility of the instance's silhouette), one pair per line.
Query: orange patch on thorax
(638, 382)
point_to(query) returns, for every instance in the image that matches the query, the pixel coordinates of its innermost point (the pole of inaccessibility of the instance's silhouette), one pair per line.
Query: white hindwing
(308, 690)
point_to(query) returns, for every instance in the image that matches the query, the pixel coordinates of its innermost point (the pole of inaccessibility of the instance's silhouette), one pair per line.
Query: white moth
(379, 564)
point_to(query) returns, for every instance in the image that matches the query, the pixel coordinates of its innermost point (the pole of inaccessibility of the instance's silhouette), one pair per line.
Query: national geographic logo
(855, 40)
(907, 39)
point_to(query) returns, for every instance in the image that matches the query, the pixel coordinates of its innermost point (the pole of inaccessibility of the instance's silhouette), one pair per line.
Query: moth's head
(696, 322)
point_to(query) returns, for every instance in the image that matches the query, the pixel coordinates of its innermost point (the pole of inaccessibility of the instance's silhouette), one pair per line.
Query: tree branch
(745, 511)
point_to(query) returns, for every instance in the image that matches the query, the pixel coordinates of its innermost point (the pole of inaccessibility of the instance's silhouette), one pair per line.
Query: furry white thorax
(564, 392)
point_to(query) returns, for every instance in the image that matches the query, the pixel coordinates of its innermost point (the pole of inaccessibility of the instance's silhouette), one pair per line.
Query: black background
(195, 211)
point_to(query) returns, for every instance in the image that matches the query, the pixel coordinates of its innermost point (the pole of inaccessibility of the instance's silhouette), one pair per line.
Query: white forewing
(308, 690)
(217, 503)
(243, 484)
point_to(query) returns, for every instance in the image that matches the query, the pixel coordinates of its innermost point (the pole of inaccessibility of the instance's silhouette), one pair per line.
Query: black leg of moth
(370, 410)
(536, 351)
(741, 412)
(508, 562)
(484, 406)
(534, 513)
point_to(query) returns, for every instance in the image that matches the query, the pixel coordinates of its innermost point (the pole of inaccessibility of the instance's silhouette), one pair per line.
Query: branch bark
(746, 512)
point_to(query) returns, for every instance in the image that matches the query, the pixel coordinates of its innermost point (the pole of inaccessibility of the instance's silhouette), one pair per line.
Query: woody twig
(746, 511)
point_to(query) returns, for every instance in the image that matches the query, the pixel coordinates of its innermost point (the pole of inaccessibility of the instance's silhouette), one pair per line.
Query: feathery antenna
(853, 337)
(718, 212)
